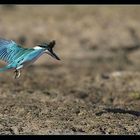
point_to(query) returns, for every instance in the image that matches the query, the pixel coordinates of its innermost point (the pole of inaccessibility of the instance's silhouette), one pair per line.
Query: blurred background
(99, 47)
(92, 34)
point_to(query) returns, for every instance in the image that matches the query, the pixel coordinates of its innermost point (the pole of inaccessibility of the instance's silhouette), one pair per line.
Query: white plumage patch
(37, 47)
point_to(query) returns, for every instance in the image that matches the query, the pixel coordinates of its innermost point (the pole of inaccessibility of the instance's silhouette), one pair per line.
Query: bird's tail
(5, 68)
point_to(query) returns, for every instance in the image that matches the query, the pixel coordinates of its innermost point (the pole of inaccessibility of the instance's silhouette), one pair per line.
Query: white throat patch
(37, 48)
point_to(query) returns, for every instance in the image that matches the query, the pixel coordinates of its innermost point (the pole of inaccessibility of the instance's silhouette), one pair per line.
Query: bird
(17, 57)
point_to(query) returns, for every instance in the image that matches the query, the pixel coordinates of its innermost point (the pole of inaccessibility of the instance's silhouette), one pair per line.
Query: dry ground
(94, 89)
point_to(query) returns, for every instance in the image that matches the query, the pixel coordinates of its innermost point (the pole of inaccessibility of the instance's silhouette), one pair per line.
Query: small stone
(14, 130)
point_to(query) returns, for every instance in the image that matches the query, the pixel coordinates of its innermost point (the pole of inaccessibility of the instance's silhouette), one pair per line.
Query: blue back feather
(9, 50)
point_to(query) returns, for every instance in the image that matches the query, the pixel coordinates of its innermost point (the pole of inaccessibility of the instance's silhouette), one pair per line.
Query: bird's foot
(17, 74)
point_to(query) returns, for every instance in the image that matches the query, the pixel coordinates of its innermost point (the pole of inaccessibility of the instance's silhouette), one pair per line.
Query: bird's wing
(9, 50)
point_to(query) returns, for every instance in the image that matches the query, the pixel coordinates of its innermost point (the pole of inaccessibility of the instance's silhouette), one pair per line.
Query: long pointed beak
(53, 55)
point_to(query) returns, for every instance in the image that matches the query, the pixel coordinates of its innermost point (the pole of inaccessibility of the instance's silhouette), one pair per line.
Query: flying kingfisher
(18, 57)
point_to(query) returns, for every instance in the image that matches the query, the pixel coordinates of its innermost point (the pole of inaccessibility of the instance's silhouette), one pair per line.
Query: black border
(106, 2)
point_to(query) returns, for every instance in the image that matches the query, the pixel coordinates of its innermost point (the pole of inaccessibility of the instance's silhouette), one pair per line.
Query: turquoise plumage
(18, 57)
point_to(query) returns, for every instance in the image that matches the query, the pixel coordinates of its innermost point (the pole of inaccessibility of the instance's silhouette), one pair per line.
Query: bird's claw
(17, 74)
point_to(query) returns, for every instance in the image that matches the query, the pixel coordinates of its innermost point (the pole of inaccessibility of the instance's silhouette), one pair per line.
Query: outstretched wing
(9, 50)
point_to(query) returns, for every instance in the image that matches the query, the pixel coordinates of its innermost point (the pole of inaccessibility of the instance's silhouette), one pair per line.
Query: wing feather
(9, 50)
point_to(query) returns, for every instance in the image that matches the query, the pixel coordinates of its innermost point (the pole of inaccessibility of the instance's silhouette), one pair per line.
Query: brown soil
(94, 89)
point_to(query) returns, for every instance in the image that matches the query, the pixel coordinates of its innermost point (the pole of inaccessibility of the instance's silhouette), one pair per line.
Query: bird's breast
(29, 60)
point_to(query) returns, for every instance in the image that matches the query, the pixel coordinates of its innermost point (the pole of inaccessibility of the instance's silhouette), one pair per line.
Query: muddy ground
(94, 89)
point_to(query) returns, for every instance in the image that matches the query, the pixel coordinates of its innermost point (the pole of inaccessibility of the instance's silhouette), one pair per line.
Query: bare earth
(94, 89)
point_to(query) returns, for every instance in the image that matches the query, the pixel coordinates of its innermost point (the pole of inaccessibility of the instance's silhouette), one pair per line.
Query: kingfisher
(18, 57)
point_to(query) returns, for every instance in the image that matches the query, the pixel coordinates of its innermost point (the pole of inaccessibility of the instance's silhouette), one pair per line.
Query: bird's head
(49, 49)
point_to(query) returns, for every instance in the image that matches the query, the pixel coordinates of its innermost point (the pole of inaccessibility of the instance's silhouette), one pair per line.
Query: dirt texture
(94, 89)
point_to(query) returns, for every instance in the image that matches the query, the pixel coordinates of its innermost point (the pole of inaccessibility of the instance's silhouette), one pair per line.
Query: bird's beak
(54, 55)
(51, 53)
